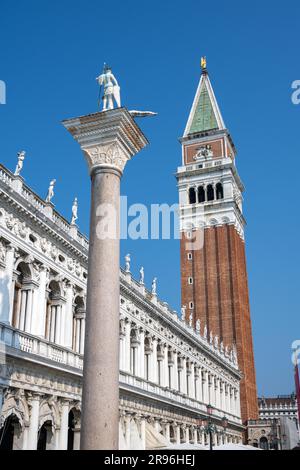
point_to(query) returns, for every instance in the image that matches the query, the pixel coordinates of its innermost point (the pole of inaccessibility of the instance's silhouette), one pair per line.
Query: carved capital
(111, 156)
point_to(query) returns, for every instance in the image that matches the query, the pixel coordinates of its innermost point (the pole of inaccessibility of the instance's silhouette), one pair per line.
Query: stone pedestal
(108, 140)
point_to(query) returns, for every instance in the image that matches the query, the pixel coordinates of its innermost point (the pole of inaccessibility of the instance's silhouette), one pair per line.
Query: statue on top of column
(21, 158)
(111, 89)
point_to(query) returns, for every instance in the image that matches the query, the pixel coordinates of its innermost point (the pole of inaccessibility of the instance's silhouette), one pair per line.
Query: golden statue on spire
(203, 63)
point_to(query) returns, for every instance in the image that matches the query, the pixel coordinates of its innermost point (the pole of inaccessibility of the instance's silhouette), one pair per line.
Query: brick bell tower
(214, 285)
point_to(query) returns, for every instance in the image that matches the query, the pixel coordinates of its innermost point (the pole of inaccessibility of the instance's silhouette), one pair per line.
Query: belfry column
(108, 140)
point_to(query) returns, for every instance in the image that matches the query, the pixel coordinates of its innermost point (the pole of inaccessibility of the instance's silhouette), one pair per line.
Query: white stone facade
(168, 371)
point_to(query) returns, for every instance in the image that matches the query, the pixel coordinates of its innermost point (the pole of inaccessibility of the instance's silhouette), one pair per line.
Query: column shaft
(100, 399)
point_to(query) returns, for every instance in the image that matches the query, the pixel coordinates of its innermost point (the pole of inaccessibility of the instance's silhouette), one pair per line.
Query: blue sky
(51, 53)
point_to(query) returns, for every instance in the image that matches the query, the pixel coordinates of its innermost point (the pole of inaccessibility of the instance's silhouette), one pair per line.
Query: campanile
(214, 285)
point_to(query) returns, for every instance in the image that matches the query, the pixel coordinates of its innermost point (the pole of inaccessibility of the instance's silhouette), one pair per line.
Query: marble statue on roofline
(50, 193)
(74, 211)
(21, 158)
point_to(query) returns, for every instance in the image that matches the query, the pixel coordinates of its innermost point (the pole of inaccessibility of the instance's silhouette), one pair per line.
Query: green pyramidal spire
(204, 118)
(205, 114)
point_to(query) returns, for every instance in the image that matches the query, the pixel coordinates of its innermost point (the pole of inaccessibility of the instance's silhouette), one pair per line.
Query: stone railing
(173, 396)
(21, 341)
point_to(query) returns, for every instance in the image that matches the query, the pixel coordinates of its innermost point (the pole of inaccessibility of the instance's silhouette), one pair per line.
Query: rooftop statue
(21, 158)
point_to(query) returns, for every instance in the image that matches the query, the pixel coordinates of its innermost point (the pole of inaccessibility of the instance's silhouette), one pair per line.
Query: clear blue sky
(51, 52)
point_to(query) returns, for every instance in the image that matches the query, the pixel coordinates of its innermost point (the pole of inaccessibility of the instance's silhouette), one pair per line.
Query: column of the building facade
(175, 371)
(82, 335)
(34, 405)
(64, 424)
(29, 305)
(127, 346)
(184, 376)
(186, 434)
(192, 393)
(154, 361)
(39, 304)
(142, 421)
(165, 367)
(58, 322)
(205, 386)
(22, 316)
(218, 398)
(122, 344)
(127, 430)
(177, 431)
(197, 374)
(167, 430)
(68, 316)
(141, 354)
(195, 434)
(227, 398)
(7, 291)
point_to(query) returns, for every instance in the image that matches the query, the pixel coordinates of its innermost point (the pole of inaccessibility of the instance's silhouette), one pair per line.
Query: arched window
(219, 191)
(263, 443)
(22, 308)
(53, 326)
(210, 192)
(45, 437)
(78, 325)
(201, 194)
(10, 433)
(192, 196)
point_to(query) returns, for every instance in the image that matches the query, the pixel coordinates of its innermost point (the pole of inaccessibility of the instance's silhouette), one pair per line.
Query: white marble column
(22, 316)
(28, 316)
(195, 436)
(127, 346)
(192, 381)
(167, 430)
(143, 431)
(184, 377)
(108, 140)
(58, 324)
(68, 316)
(175, 371)
(52, 323)
(218, 401)
(7, 289)
(154, 360)
(34, 404)
(205, 387)
(40, 305)
(127, 431)
(82, 334)
(64, 425)
(142, 355)
(165, 366)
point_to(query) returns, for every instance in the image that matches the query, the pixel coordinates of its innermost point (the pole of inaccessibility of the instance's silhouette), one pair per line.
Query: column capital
(108, 139)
